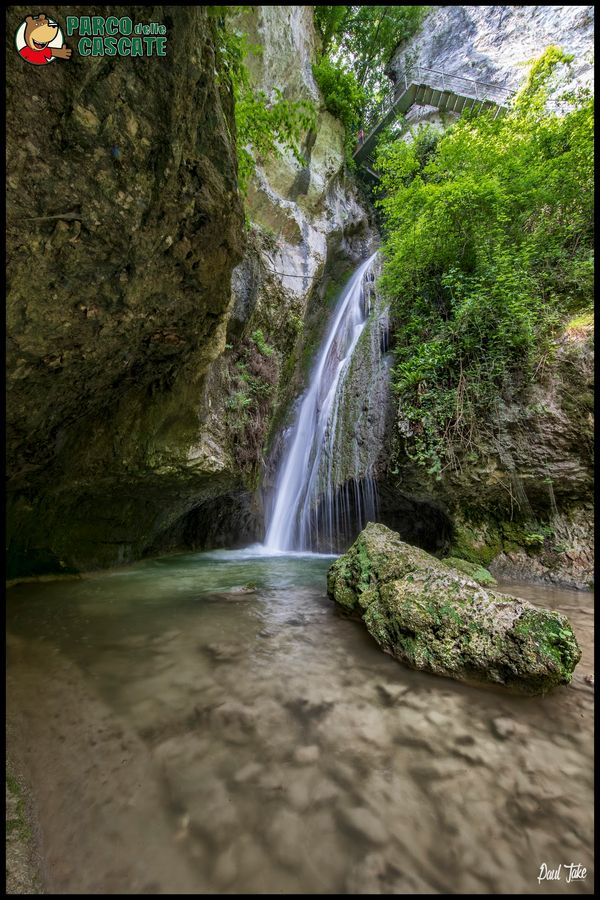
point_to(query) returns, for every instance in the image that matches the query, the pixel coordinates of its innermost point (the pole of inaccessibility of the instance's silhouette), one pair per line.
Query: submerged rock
(433, 618)
(238, 592)
(364, 823)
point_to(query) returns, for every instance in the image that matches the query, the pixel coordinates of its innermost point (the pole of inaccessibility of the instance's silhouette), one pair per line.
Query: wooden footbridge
(429, 87)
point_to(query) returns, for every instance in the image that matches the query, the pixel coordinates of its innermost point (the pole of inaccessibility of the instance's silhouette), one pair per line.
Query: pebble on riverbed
(362, 821)
(304, 755)
(224, 651)
(505, 728)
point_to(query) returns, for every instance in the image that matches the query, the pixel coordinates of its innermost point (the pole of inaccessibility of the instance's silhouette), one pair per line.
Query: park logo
(114, 36)
(39, 41)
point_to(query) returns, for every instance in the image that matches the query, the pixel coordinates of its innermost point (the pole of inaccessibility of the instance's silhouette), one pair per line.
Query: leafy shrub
(366, 37)
(488, 248)
(259, 339)
(343, 96)
(253, 375)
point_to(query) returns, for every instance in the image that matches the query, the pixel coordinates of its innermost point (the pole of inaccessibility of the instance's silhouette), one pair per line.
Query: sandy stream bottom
(180, 736)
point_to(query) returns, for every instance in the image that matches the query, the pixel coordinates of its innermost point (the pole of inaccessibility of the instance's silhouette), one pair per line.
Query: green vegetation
(261, 344)
(16, 822)
(471, 570)
(265, 126)
(16, 819)
(22, 876)
(365, 37)
(357, 42)
(343, 97)
(253, 374)
(585, 320)
(488, 249)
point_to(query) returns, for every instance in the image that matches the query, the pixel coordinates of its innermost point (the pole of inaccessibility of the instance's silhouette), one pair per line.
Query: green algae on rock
(438, 620)
(478, 573)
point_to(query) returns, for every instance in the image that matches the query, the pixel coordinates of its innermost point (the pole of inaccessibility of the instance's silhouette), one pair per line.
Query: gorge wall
(521, 499)
(157, 341)
(309, 229)
(137, 394)
(494, 44)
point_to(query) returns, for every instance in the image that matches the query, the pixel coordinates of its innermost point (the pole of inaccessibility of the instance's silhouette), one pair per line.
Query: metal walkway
(429, 87)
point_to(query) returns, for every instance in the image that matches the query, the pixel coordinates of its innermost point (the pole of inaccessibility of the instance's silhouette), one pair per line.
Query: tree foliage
(363, 39)
(489, 245)
(343, 96)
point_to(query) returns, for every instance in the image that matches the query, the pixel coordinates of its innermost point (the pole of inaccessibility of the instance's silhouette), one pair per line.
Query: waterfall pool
(210, 723)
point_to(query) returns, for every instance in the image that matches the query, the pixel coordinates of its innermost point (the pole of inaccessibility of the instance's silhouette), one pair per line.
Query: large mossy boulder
(432, 617)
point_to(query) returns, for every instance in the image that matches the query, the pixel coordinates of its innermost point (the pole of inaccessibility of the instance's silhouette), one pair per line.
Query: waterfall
(313, 510)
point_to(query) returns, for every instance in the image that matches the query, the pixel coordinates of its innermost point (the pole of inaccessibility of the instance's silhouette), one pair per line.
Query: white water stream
(295, 523)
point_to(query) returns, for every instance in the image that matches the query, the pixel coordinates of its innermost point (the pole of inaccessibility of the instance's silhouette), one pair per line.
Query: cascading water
(310, 510)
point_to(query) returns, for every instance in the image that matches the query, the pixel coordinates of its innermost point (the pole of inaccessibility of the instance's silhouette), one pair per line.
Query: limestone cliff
(521, 499)
(309, 228)
(124, 224)
(143, 379)
(494, 44)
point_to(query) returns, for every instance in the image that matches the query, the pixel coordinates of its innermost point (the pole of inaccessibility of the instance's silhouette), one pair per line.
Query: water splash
(314, 508)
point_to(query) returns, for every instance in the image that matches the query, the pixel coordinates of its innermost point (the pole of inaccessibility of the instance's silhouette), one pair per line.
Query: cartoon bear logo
(39, 41)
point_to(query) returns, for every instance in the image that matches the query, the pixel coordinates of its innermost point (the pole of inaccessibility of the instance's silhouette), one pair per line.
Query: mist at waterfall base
(311, 509)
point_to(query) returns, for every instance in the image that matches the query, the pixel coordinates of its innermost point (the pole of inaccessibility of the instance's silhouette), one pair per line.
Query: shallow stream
(210, 723)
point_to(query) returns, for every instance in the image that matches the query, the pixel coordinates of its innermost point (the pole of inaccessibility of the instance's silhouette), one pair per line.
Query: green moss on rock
(432, 617)
(478, 545)
(529, 536)
(476, 572)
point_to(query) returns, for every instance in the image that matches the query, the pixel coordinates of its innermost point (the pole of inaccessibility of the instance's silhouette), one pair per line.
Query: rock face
(309, 229)
(361, 418)
(310, 210)
(494, 43)
(428, 616)
(523, 504)
(471, 570)
(127, 359)
(521, 500)
(125, 205)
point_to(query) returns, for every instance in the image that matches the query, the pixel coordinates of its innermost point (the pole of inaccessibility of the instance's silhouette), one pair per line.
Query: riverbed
(210, 723)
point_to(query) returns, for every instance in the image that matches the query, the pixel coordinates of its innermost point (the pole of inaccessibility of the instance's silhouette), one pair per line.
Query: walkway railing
(440, 81)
